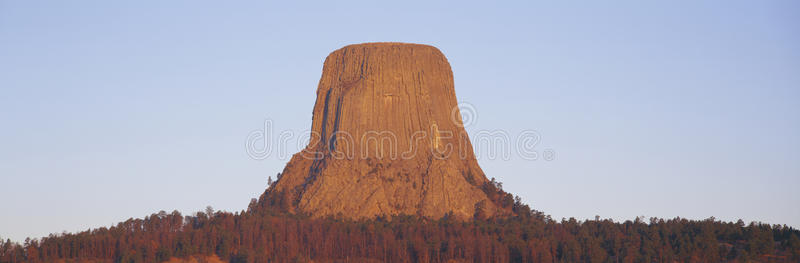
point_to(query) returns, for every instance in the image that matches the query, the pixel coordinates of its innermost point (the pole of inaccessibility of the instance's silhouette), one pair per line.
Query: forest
(267, 233)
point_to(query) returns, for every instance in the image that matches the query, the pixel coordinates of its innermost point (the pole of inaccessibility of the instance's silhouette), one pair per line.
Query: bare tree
(209, 211)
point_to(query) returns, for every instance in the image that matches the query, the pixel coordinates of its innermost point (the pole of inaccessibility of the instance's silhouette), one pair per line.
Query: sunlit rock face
(387, 139)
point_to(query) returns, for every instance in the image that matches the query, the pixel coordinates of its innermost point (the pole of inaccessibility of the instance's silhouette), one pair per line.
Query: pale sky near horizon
(112, 110)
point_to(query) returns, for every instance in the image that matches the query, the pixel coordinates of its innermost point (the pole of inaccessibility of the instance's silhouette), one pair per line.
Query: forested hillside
(264, 233)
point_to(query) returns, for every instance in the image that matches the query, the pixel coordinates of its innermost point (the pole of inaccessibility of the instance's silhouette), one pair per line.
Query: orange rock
(387, 139)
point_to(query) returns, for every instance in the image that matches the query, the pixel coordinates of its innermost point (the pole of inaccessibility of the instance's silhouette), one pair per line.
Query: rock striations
(387, 139)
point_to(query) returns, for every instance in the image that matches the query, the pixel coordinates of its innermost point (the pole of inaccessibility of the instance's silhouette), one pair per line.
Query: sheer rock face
(387, 139)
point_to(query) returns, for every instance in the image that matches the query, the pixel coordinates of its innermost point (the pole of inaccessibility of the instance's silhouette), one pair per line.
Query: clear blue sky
(114, 110)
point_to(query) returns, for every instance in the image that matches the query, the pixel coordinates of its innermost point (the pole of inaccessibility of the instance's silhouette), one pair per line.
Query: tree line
(268, 233)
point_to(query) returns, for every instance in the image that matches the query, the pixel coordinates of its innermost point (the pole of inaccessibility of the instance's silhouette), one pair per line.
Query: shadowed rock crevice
(387, 139)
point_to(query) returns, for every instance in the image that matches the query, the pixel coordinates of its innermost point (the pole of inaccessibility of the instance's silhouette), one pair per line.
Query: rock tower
(387, 139)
